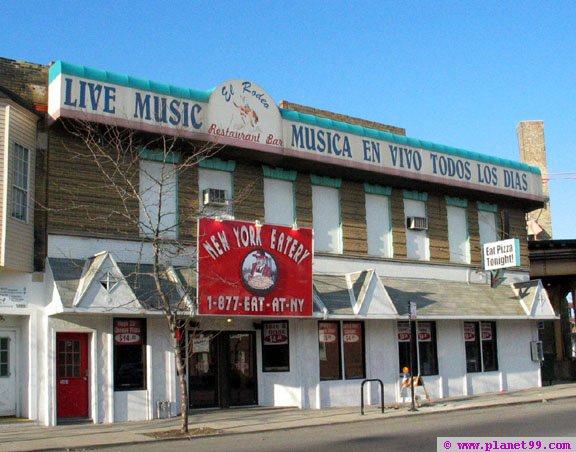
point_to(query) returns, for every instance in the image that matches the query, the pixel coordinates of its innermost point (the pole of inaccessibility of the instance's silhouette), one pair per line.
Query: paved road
(418, 433)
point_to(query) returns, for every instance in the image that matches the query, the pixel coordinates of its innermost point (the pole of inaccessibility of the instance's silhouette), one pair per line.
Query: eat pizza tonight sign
(246, 269)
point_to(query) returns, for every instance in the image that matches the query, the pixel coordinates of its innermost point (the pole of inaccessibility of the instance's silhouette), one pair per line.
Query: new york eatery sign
(254, 270)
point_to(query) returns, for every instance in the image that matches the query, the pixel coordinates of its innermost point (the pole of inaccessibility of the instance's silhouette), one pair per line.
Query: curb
(390, 416)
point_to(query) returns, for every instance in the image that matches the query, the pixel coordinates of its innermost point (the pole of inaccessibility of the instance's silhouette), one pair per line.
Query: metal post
(413, 358)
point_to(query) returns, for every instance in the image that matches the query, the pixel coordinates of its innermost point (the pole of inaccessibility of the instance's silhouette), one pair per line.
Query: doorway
(222, 369)
(7, 373)
(71, 376)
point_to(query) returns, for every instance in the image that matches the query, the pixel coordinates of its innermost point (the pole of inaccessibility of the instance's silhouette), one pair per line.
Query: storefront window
(4, 357)
(329, 340)
(275, 347)
(353, 340)
(425, 347)
(333, 363)
(481, 350)
(129, 354)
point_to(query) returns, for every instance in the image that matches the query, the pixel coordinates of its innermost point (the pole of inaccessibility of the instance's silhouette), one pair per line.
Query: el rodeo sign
(248, 269)
(503, 254)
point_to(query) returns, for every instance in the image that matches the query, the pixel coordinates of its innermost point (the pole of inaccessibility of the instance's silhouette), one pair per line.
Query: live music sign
(248, 269)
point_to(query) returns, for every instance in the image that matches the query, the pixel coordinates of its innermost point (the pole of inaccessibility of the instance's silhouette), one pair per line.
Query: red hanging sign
(253, 270)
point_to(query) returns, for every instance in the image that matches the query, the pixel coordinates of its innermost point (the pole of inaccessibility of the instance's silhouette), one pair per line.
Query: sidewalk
(19, 436)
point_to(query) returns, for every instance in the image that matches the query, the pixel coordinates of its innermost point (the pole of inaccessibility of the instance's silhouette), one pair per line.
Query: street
(419, 433)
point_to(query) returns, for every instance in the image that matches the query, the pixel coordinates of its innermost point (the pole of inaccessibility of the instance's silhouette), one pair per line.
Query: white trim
(5, 184)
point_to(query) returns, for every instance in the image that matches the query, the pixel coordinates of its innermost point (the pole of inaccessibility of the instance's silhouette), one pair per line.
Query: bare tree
(142, 205)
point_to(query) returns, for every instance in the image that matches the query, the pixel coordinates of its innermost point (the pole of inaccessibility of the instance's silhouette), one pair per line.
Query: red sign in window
(253, 270)
(127, 332)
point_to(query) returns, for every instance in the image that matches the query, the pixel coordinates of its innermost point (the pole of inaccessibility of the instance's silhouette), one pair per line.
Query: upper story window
(215, 183)
(417, 242)
(326, 216)
(279, 203)
(378, 220)
(458, 237)
(158, 194)
(20, 182)
(487, 223)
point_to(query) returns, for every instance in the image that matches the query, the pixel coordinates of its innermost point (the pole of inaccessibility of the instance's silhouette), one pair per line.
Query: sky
(458, 73)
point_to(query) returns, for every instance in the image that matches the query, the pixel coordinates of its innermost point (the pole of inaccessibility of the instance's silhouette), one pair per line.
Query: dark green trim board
(456, 202)
(325, 181)
(159, 156)
(279, 173)
(377, 189)
(415, 195)
(218, 164)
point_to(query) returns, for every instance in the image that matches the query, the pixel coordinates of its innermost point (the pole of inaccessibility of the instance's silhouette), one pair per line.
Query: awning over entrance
(365, 294)
(100, 284)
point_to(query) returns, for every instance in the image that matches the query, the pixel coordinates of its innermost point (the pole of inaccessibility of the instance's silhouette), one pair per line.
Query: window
(20, 182)
(425, 347)
(159, 199)
(326, 218)
(417, 244)
(129, 354)
(220, 180)
(4, 357)
(481, 350)
(275, 347)
(487, 223)
(459, 244)
(333, 363)
(279, 202)
(69, 358)
(378, 225)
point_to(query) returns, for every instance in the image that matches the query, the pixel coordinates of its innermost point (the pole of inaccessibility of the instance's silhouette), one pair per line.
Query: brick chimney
(533, 152)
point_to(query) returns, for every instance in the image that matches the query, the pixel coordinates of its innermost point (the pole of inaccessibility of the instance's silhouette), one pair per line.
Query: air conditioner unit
(417, 223)
(214, 197)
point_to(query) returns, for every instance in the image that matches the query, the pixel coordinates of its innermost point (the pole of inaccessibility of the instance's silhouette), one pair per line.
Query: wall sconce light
(258, 224)
(229, 321)
(294, 226)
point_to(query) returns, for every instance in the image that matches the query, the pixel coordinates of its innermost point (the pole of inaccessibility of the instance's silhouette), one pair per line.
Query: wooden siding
(80, 198)
(188, 203)
(303, 200)
(353, 205)
(438, 228)
(398, 224)
(518, 230)
(18, 242)
(248, 192)
(474, 235)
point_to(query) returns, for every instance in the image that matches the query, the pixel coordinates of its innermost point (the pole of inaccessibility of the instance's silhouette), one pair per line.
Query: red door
(71, 375)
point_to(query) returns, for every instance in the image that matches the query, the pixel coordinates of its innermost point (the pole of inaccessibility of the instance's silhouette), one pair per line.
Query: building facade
(293, 242)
